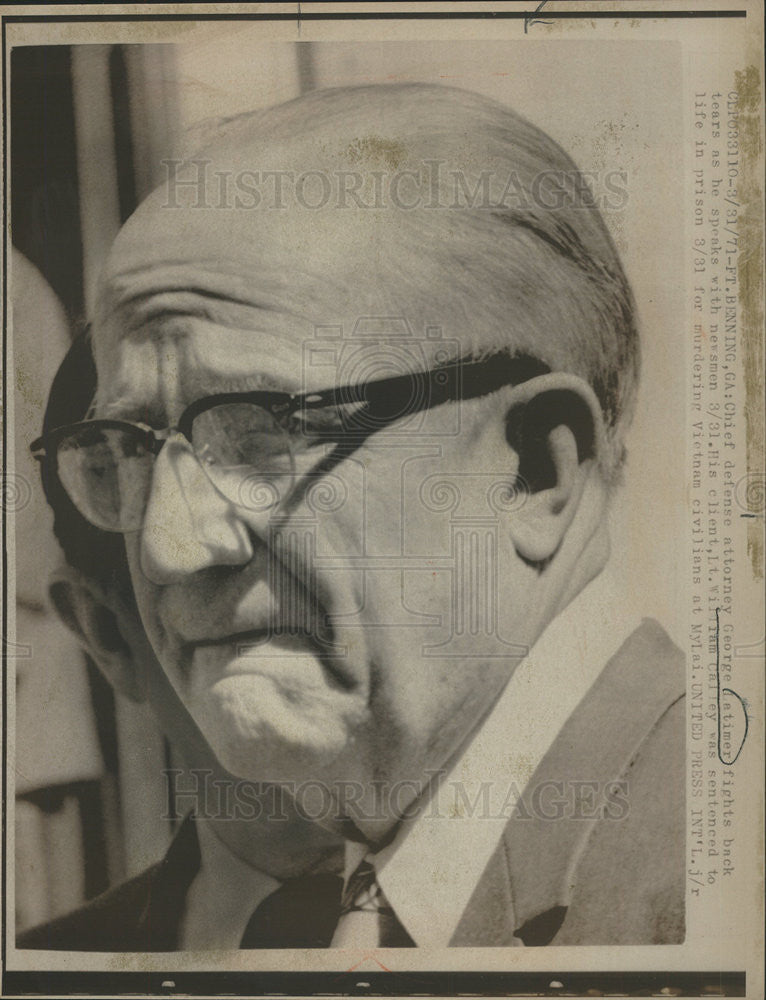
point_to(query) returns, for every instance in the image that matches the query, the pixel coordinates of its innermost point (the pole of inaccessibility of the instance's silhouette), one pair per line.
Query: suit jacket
(141, 914)
(617, 877)
(600, 861)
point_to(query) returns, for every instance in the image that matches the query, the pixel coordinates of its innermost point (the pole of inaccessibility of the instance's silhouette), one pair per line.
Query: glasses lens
(107, 473)
(368, 409)
(246, 454)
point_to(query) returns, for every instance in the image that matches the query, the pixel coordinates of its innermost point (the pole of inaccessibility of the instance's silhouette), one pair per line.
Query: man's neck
(580, 560)
(276, 839)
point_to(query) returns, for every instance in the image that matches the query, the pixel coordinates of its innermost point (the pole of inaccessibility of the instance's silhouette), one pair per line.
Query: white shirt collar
(222, 897)
(430, 870)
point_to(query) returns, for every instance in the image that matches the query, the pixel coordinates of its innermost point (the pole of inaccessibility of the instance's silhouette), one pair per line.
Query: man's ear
(556, 427)
(103, 625)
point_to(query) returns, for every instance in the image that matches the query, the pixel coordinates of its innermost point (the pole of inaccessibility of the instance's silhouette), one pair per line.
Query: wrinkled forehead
(239, 239)
(263, 207)
(308, 225)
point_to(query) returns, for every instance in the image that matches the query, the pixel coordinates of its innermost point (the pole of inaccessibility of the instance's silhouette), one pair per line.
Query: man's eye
(95, 458)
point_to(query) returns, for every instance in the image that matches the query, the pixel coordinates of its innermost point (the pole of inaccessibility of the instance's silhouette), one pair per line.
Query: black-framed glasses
(249, 443)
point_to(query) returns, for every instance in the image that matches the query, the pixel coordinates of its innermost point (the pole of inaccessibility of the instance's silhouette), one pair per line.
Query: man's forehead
(300, 269)
(171, 362)
(161, 368)
(232, 287)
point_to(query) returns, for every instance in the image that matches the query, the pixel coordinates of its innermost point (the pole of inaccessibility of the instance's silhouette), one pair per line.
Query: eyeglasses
(248, 443)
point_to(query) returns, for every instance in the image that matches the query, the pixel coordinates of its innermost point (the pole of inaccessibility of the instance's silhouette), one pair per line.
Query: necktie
(367, 919)
(301, 913)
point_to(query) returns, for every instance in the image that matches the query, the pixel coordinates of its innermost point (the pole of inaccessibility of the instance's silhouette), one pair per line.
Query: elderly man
(231, 851)
(364, 368)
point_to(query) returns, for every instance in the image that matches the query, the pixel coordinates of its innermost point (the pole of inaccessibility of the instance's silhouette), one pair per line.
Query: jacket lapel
(524, 892)
(160, 920)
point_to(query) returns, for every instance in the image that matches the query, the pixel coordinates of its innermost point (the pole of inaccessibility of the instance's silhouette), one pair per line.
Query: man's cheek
(427, 590)
(146, 596)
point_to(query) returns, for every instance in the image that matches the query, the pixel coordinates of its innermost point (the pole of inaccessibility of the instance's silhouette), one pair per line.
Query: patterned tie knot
(363, 894)
(367, 918)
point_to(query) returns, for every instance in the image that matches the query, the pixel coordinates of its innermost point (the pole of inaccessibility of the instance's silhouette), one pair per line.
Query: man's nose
(188, 525)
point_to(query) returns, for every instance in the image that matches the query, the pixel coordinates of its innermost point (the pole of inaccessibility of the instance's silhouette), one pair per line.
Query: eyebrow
(200, 383)
(152, 412)
(254, 382)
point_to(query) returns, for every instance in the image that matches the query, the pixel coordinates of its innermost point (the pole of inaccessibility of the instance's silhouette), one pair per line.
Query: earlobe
(555, 433)
(547, 513)
(98, 621)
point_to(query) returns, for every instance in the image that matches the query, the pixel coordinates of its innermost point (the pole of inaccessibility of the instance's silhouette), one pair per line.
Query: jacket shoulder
(110, 922)
(606, 865)
(630, 885)
(142, 914)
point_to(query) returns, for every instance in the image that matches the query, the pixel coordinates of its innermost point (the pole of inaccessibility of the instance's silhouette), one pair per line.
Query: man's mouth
(281, 651)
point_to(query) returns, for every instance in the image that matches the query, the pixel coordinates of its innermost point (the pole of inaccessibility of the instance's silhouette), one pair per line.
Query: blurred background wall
(90, 126)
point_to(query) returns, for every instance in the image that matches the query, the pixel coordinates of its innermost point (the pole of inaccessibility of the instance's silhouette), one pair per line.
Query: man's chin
(262, 728)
